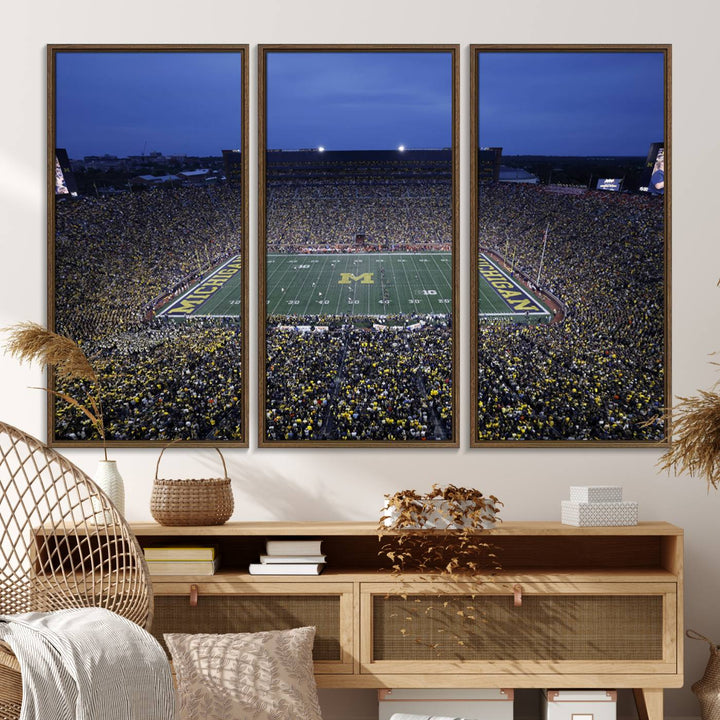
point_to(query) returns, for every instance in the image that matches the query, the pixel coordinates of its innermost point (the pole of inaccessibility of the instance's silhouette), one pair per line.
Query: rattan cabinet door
(238, 607)
(571, 628)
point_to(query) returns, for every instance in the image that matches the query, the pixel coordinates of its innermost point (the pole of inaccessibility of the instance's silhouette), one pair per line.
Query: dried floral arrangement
(695, 445)
(30, 342)
(443, 533)
(439, 532)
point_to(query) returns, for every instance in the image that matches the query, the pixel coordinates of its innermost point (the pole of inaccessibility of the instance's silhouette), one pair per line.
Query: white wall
(349, 484)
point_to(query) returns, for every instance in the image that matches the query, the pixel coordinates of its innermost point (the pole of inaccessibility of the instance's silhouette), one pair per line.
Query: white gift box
(596, 493)
(596, 514)
(579, 705)
(475, 704)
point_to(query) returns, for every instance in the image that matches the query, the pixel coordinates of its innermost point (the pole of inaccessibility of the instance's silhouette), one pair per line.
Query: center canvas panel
(357, 239)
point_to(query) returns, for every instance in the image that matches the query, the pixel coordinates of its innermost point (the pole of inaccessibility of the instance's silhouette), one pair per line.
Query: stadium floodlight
(321, 148)
(401, 148)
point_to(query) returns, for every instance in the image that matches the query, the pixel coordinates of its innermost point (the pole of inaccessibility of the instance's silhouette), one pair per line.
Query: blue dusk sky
(568, 103)
(120, 103)
(359, 100)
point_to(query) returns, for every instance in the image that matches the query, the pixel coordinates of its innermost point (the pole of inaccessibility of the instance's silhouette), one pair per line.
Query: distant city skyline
(571, 103)
(134, 103)
(359, 100)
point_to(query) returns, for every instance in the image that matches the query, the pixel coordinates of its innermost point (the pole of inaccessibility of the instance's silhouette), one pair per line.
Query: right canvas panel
(570, 245)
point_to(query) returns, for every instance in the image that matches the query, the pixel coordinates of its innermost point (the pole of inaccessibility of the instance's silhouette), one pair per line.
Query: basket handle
(172, 442)
(694, 635)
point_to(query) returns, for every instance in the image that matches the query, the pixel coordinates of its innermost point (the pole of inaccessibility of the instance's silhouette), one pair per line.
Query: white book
(289, 559)
(286, 569)
(293, 547)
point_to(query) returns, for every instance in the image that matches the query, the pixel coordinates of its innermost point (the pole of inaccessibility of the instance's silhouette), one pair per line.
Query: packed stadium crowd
(353, 382)
(598, 375)
(169, 380)
(113, 256)
(327, 214)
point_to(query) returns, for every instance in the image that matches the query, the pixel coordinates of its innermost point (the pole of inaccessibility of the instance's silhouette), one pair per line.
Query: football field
(365, 284)
(501, 296)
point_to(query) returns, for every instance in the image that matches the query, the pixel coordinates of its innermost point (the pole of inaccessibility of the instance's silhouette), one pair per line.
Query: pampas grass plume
(30, 342)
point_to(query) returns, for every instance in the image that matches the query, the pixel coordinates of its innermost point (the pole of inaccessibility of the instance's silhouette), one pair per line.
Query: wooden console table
(572, 607)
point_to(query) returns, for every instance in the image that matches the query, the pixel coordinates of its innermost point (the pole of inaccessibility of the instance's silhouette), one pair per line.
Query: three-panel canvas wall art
(358, 243)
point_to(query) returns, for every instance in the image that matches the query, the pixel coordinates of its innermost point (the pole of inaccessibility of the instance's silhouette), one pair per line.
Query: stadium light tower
(401, 148)
(321, 148)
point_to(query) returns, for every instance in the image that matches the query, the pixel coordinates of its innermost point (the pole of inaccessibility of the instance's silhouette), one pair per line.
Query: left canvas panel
(147, 238)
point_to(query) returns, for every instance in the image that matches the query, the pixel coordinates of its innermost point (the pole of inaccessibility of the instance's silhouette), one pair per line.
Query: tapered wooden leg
(649, 703)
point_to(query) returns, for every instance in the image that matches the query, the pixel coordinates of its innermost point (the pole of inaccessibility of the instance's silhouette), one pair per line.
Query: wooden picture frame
(142, 231)
(549, 385)
(319, 385)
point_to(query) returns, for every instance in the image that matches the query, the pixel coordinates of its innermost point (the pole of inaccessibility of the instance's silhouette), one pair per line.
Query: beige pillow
(246, 676)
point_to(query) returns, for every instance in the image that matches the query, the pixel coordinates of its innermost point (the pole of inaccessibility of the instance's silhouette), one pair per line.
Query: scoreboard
(654, 176)
(612, 184)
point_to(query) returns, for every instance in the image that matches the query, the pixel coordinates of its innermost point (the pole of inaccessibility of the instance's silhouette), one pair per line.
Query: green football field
(502, 296)
(359, 284)
(368, 284)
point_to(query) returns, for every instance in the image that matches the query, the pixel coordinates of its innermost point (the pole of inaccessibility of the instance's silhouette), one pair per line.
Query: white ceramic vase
(109, 480)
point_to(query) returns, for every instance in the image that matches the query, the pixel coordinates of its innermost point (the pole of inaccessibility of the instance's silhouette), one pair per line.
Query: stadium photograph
(570, 245)
(147, 240)
(357, 238)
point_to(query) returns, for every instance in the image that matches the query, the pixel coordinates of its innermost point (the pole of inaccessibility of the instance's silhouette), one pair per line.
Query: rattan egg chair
(63, 545)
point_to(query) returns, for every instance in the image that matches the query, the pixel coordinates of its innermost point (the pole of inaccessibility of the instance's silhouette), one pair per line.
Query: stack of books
(182, 560)
(290, 557)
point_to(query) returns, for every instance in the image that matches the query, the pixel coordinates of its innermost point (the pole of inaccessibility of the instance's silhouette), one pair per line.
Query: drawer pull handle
(193, 595)
(517, 593)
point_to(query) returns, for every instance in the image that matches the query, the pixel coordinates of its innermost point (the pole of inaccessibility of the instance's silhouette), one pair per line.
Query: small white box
(595, 514)
(596, 493)
(579, 705)
(475, 704)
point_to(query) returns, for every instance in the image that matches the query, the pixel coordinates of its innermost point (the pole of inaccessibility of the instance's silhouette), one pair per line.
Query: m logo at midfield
(365, 278)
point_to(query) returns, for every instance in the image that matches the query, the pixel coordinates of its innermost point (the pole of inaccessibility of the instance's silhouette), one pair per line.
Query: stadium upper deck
(370, 164)
(389, 200)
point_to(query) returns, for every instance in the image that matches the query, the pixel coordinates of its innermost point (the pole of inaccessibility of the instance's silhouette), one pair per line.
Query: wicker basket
(207, 501)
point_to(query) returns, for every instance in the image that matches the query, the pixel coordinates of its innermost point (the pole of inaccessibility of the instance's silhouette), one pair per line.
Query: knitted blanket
(88, 664)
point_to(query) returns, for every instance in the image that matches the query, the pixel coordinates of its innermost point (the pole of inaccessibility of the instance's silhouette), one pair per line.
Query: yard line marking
(395, 289)
(443, 274)
(285, 269)
(329, 274)
(407, 280)
(305, 274)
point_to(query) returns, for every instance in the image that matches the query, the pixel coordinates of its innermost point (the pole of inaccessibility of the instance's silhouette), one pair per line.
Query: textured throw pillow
(246, 676)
